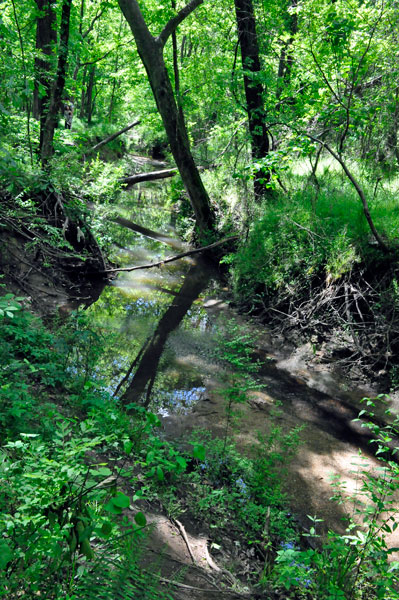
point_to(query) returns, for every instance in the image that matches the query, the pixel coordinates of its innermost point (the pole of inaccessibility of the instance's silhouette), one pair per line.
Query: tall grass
(312, 232)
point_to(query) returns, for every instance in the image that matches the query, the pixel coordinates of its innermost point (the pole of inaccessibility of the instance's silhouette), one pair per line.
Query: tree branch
(172, 258)
(150, 176)
(91, 26)
(112, 137)
(155, 235)
(174, 22)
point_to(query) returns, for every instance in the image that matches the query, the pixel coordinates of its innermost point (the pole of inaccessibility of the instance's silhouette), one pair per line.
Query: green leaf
(181, 462)
(110, 507)
(121, 500)
(160, 474)
(101, 472)
(140, 519)
(6, 554)
(127, 446)
(106, 528)
(199, 452)
(153, 419)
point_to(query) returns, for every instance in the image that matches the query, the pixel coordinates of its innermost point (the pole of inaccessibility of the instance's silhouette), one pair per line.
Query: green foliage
(301, 238)
(9, 304)
(62, 513)
(30, 363)
(230, 490)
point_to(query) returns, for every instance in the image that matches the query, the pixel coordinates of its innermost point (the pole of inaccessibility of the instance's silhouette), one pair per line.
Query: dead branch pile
(355, 317)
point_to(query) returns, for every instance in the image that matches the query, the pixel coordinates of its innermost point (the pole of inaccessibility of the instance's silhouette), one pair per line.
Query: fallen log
(151, 176)
(154, 235)
(112, 137)
(169, 259)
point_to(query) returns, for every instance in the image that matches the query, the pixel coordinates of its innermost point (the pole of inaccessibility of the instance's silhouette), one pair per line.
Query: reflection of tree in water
(149, 356)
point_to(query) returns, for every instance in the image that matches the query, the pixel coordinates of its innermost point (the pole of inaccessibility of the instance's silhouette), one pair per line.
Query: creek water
(171, 319)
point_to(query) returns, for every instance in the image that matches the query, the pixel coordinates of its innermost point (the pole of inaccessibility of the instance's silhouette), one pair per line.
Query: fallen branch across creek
(155, 235)
(172, 258)
(112, 137)
(151, 176)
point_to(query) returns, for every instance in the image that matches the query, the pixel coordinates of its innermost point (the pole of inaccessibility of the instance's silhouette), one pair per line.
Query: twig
(208, 591)
(306, 229)
(171, 258)
(183, 533)
(210, 560)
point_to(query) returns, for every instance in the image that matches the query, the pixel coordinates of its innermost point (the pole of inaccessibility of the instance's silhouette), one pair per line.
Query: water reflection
(142, 308)
(178, 401)
(195, 281)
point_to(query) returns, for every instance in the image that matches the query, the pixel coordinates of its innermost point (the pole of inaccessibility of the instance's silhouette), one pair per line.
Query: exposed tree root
(48, 254)
(354, 317)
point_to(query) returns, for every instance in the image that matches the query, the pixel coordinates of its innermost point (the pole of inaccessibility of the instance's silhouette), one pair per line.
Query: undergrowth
(77, 470)
(311, 267)
(62, 506)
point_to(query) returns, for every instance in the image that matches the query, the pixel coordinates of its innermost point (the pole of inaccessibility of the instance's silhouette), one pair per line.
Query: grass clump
(298, 238)
(304, 235)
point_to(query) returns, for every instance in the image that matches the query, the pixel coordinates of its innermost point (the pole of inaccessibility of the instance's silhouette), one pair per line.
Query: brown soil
(307, 394)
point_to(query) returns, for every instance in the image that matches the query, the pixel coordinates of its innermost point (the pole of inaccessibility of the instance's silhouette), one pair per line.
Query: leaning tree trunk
(248, 40)
(50, 123)
(150, 49)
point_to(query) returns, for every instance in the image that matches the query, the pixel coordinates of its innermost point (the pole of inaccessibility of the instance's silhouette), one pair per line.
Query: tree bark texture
(246, 27)
(47, 148)
(151, 53)
(46, 40)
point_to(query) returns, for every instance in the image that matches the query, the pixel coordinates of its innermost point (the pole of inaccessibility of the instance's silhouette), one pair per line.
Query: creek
(165, 323)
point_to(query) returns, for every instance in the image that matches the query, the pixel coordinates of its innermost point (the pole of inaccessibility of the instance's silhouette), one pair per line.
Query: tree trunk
(114, 79)
(151, 53)
(47, 148)
(150, 176)
(247, 36)
(89, 94)
(112, 137)
(46, 40)
(83, 95)
(194, 282)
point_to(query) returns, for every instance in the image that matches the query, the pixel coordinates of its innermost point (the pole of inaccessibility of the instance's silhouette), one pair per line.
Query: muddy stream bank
(169, 317)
